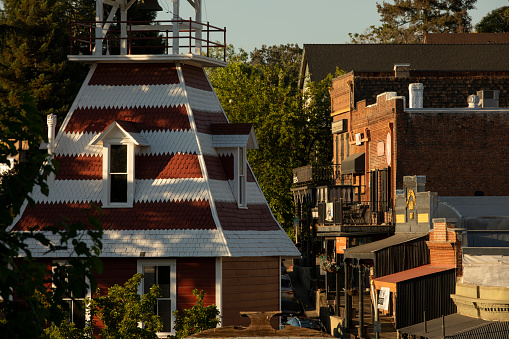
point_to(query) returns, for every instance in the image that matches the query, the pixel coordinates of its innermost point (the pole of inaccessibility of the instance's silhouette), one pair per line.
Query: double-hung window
(162, 273)
(118, 174)
(119, 142)
(77, 313)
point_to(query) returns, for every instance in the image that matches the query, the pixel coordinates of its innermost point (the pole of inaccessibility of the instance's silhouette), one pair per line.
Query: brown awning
(367, 251)
(391, 280)
(355, 163)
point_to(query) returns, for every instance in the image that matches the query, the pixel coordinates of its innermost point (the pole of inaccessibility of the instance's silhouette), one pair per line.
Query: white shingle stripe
(206, 144)
(132, 96)
(171, 190)
(260, 243)
(77, 144)
(169, 142)
(70, 191)
(205, 243)
(221, 191)
(203, 100)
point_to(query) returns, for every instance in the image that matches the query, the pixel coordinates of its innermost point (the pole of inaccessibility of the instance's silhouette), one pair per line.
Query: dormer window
(236, 139)
(241, 176)
(119, 141)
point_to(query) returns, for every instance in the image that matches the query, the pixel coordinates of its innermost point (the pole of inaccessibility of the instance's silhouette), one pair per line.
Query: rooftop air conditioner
(488, 98)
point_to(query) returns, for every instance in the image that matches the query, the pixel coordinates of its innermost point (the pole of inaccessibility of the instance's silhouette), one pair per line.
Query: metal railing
(348, 213)
(148, 37)
(316, 175)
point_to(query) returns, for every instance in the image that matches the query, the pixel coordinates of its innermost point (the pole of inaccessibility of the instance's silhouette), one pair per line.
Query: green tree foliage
(122, 309)
(292, 130)
(496, 21)
(33, 56)
(196, 319)
(24, 311)
(406, 21)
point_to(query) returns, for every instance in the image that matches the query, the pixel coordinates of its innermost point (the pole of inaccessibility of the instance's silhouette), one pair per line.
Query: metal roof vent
(488, 98)
(416, 94)
(473, 101)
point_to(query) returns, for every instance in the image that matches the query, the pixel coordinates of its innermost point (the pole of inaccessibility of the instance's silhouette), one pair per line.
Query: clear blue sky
(251, 24)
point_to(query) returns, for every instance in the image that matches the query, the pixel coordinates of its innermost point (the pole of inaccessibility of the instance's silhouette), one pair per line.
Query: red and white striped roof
(183, 203)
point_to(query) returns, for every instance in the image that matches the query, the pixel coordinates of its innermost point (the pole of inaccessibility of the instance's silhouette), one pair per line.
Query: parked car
(313, 324)
(283, 267)
(291, 307)
(286, 287)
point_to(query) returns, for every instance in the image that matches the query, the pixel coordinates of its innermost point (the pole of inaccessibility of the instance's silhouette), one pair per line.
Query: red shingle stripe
(231, 129)
(130, 74)
(254, 218)
(195, 77)
(205, 119)
(185, 215)
(79, 167)
(95, 120)
(214, 167)
(167, 166)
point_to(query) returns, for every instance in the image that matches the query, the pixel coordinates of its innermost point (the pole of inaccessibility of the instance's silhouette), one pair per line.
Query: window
(162, 273)
(241, 177)
(77, 313)
(119, 141)
(118, 174)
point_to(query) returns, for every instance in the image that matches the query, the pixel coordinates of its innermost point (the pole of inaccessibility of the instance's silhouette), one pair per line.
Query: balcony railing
(316, 175)
(147, 37)
(340, 213)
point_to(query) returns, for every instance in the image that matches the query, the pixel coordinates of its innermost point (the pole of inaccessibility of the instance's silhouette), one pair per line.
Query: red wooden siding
(194, 273)
(249, 284)
(115, 271)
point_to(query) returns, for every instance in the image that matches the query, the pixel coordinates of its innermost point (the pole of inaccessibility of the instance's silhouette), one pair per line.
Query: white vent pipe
(416, 95)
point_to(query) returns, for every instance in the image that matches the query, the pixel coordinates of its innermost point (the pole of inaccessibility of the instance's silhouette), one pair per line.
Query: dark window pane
(118, 159)
(118, 188)
(164, 280)
(78, 311)
(150, 278)
(164, 311)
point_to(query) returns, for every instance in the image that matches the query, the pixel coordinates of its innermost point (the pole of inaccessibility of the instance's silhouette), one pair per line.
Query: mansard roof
(183, 200)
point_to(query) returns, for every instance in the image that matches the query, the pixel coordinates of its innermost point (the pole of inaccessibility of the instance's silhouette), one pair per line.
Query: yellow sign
(400, 218)
(422, 218)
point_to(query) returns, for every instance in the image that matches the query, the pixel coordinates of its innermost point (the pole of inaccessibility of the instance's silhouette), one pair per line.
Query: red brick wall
(459, 153)
(445, 246)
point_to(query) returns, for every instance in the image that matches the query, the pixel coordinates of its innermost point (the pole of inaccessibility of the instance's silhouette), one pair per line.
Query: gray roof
(367, 251)
(323, 59)
(459, 326)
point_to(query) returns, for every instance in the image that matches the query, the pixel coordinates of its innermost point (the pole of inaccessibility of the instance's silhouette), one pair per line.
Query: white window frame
(240, 176)
(173, 286)
(106, 201)
(88, 294)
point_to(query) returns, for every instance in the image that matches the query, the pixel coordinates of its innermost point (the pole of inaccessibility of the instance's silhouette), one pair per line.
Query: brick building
(431, 132)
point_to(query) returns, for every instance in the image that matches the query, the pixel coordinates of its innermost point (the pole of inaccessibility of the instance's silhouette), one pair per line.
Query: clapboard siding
(249, 284)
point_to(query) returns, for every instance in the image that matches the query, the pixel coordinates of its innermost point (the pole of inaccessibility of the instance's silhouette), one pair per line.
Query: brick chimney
(445, 245)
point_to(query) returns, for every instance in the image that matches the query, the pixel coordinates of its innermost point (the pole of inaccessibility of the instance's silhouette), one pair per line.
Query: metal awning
(459, 326)
(367, 251)
(391, 280)
(355, 163)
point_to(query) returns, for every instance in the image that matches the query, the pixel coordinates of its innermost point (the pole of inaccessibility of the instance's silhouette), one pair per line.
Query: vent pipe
(52, 123)
(416, 95)
(473, 101)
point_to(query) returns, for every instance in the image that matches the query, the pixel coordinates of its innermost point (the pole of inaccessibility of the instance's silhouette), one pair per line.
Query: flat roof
(391, 280)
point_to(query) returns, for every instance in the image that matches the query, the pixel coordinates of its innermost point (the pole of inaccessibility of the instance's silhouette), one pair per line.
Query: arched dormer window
(119, 142)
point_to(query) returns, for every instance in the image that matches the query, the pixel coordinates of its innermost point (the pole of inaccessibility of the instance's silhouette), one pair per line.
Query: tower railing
(148, 37)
